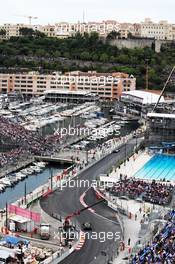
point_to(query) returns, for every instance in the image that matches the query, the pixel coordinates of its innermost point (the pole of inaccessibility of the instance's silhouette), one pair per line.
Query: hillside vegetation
(87, 52)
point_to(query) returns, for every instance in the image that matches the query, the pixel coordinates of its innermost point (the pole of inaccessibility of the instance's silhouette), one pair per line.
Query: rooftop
(161, 115)
(98, 74)
(19, 219)
(68, 92)
(147, 97)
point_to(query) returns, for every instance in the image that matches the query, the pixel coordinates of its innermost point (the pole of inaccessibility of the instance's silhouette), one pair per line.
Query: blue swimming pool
(160, 166)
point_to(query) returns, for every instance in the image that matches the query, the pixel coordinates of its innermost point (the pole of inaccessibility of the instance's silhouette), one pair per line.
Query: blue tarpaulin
(15, 240)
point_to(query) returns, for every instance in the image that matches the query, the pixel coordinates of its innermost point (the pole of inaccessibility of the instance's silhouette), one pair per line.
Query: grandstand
(162, 248)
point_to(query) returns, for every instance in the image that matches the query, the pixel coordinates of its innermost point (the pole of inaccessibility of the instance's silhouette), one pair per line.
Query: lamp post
(25, 193)
(51, 179)
(6, 215)
(125, 154)
(87, 158)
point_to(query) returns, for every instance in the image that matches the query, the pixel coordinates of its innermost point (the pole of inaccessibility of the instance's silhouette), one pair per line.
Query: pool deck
(135, 163)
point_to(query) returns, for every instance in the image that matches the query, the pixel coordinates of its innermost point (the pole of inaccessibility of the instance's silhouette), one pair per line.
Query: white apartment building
(107, 86)
(161, 30)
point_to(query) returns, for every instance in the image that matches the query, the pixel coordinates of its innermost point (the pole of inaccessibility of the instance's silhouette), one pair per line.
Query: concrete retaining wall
(138, 43)
(132, 43)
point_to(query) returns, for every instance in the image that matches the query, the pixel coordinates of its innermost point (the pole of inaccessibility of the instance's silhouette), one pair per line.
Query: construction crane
(163, 90)
(29, 18)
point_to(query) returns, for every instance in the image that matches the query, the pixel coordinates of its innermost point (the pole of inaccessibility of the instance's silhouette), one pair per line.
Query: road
(67, 201)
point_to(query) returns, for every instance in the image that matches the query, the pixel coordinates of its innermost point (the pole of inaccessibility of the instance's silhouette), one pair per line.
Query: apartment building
(12, 30)
(107, 86)
(48, 30)
(173, 32)
(125, 29)
(147, 29)
(64, 29)
(136, 30)
(161, 30)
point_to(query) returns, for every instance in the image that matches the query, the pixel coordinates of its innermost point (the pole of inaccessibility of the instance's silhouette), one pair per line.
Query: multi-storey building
(12, 30)
(136, 30)
(48, 30)
(107, 86)
(147, 29)
(173, 32)
(64, 29)
(125, 29)
(160, 31)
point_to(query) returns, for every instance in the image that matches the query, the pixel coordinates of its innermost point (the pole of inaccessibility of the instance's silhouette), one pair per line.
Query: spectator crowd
(12, 156)
(162, 248)
(27, 142)
(153, 192)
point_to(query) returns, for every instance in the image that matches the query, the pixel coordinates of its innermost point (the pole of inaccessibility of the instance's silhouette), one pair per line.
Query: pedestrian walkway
(135, 163)
(130, 220)
(131, 229)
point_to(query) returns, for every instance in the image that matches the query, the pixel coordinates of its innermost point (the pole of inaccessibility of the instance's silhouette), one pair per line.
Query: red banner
(36, 217)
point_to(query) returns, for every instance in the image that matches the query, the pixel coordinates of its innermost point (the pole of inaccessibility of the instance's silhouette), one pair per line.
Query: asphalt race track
(66, 201)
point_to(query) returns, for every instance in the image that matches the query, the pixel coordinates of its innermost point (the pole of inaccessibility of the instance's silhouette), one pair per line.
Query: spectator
(152, 192)
(31, 143)
(129, 241)
(162, 248)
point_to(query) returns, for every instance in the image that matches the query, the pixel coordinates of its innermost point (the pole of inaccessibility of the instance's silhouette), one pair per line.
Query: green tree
(104, 57)
(39, 34)
(40, 53)
(130, 36)
(123, 59)
(112, 58)
(95, 57)
(94, 37)
(113, 35)
(2, 32)
(85, 55)
(57, 54)
(26, 32)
